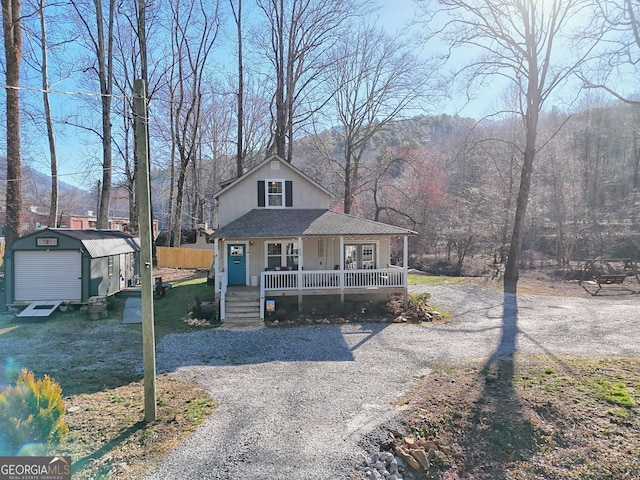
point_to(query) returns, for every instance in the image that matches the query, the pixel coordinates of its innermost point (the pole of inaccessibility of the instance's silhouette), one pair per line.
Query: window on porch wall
(368, 257)
(359, 256)
(278, 257)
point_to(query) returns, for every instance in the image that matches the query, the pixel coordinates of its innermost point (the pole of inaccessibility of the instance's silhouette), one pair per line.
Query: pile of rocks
(407, 458)
(327, 320)
(386, 466)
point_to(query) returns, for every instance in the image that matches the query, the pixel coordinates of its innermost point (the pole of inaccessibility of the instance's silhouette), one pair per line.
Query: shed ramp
(41, 308)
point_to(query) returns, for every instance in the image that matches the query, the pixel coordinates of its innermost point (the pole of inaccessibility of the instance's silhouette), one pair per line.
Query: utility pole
(146, 270)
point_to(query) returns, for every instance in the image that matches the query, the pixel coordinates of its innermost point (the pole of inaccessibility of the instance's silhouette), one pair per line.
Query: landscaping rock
(384, 466)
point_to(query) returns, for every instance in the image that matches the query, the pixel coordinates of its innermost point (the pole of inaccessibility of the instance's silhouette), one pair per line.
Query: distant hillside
(36, 192)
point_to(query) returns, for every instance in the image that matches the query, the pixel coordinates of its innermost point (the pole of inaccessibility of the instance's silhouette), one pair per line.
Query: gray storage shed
(58, 264)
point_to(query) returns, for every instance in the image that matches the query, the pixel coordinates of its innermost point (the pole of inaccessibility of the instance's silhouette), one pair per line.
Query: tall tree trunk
(105, 72)
(177, 223)
(172, 183)
(515, 248)
(130, 168)
(141, 33)
(53, 207)
(281, 124)
(504, 239)
(13, 51)
(240, 154)
(348, 180)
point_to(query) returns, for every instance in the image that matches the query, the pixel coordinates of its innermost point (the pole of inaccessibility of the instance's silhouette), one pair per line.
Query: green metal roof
(97, 243)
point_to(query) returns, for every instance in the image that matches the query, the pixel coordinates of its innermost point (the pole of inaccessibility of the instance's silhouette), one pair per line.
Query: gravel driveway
(297, 403)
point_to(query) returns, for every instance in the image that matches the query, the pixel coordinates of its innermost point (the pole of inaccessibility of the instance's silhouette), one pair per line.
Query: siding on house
(243, 197)
(330, 259)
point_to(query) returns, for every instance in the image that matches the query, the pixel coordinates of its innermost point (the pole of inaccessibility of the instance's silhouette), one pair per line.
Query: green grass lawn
(532, 417)
(170, 311)
(422, 279)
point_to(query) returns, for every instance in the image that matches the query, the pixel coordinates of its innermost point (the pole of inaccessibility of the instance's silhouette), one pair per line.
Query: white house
(277, 237)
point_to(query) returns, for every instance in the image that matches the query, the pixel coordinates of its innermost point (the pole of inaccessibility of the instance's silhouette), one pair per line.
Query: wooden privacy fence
(184, 257)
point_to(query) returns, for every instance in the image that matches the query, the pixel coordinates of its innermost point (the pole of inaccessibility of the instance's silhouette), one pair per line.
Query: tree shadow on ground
(107, 447)
(499, 431)
(220, 347)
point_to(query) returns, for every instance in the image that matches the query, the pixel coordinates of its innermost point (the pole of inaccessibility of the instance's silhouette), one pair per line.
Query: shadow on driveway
(322, 343)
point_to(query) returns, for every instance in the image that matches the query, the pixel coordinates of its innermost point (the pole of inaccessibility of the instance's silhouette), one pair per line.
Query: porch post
(262, 296)
(216, 267)
(342, 269)
(300, 266)
(219, 282)
(405, 270)
(300, 255)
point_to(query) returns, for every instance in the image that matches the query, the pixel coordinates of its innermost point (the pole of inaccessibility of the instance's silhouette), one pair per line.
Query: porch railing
(331, 279)
(339, 280)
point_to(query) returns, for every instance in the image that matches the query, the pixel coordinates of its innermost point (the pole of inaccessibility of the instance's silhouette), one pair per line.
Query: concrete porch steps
(242, 307)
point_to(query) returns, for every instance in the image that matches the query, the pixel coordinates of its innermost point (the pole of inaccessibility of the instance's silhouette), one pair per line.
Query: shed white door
(52, 275)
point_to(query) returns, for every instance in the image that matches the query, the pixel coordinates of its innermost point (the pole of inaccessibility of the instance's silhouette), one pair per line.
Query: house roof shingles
(278, 223)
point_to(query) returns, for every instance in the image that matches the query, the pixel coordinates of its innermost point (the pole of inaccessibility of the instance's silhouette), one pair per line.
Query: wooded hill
(454, 181)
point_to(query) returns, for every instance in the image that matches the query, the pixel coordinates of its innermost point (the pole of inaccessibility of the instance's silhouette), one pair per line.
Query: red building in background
(32, 221)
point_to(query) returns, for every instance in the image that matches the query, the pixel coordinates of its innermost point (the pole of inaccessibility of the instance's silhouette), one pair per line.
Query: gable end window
(275, 193)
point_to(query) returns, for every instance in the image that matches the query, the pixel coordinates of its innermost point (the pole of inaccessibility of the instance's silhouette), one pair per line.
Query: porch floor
(243, 289)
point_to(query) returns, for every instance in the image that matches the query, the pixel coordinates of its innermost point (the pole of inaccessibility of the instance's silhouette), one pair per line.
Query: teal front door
(237, 264)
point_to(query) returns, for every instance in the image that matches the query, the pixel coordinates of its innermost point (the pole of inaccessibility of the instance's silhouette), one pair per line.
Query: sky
(398, 15)
(79, 160)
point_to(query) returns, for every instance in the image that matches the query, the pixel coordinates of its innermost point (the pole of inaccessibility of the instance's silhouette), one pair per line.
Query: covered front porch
(308, 253)
(322, 282)
(301, 282)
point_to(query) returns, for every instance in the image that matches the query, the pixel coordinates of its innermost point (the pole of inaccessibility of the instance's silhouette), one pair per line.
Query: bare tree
(408, 188)
(524, 42)
(620, 21)
(12, 32)
(36, 58)
(44, 47)
(302, 33)
(47, 57)
(194, 30)
(130, 52)
(256, 120)
(375, 79)
(98, 21)
(237, 17)
(131, 62)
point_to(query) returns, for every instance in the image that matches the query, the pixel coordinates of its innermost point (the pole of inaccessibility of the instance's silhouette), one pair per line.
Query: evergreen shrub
(32, 412)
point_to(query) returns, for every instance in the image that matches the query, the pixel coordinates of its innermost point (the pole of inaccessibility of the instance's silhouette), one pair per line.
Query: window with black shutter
(288, 193)
(261, 193)
(275, 193)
